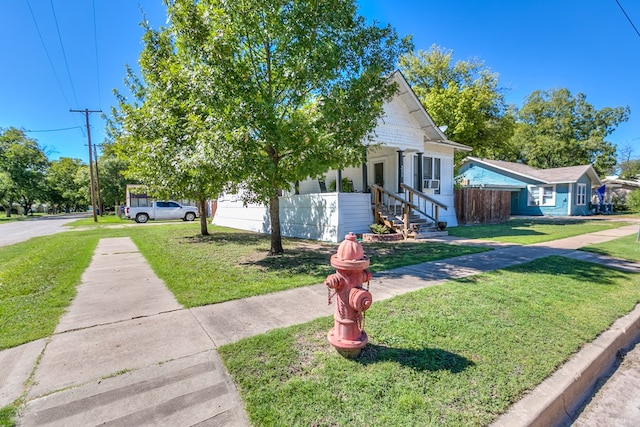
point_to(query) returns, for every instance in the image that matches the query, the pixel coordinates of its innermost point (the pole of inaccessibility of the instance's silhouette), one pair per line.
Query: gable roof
(419, 113)
(569, 174)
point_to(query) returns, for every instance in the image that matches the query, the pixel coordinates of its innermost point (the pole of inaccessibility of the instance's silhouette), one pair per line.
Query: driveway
(19, 231)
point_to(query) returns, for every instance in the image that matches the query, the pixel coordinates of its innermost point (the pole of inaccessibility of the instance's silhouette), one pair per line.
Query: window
(431, 171)
(581, 196)
(542, 195)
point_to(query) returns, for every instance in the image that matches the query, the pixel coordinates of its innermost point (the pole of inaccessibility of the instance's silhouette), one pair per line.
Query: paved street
(19, 231)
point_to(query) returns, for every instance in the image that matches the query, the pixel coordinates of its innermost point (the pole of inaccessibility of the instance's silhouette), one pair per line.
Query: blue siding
(479, 174)
(565, 193)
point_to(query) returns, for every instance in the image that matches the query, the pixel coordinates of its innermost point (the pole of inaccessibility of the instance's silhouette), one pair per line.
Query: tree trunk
(274, 216)
(202, 207)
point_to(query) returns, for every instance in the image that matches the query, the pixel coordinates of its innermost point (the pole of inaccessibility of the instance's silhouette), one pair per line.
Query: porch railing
(427, 206)
(414, 201)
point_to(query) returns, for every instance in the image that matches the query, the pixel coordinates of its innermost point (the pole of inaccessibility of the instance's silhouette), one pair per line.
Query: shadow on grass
(426, 359)
(560, 266)
(516, 227)
(235, 238)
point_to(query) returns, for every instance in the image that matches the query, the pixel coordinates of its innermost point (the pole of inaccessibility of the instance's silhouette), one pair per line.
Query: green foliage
(630, 169)
(347, 185)
(66, 191)
(465, 97)
(113, 182)
(557, 129)
(24, 165)
(380, 229)
(458, 354)
(633, 201)
(291, 88)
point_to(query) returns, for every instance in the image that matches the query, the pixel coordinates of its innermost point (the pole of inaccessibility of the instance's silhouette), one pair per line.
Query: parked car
(161, 210)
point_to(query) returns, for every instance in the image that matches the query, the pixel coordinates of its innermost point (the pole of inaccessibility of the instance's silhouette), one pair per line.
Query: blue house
(556, 192)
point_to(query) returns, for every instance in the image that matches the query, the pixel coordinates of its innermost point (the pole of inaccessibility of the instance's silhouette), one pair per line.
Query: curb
(560, 398)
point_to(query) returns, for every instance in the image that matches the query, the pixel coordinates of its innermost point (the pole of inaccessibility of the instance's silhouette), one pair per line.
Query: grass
(16, 217)
(37, 282)
(231, 264)
(450, 355)
(624, 247)
(38, 277)
(7, 415)
(102, 220)
(529, 231)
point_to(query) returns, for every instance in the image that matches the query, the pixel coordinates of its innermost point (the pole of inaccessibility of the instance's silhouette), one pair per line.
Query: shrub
(633, 201)
(380, 229)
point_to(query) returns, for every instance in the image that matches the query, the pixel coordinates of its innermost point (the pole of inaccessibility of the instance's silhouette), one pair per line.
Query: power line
(64, 55)
(628, 18)
(95, 43)
(54, 130)
(46, 51)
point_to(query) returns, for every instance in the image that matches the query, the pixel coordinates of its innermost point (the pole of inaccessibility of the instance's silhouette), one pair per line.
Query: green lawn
(15, 217)
(529, 231)
(38, 277)
(102, 221)
(457, 354)
(38, 280)
(231, 264)
(624, 247)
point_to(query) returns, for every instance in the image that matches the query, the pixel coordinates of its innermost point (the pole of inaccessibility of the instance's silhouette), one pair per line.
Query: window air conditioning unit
(431, 184)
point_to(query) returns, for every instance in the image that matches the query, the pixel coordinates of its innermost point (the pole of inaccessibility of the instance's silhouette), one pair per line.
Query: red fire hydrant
(350, 262)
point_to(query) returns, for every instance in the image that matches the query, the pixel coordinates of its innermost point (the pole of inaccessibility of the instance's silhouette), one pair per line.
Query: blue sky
(587, 46)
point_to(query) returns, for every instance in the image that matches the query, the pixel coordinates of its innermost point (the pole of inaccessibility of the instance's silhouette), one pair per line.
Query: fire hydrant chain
(330, 295)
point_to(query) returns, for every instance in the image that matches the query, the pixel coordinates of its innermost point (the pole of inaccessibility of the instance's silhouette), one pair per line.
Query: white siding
(327, 216)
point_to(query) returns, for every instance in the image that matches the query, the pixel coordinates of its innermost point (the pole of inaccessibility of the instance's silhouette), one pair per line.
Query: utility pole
(100, 205)
(92, 188)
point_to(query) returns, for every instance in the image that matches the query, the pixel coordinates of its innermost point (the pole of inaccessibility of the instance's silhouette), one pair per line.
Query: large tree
(311, 77)
(65, 192)
(24, 163)
(557, 129)
(175, 136)
(113, 183)
(465, 97)
(286, 89)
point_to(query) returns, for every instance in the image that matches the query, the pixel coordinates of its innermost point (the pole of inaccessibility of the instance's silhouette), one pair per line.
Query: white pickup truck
(162, 210)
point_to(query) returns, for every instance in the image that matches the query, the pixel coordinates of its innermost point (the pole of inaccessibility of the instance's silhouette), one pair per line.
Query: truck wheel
(141, 218)
(190, 216)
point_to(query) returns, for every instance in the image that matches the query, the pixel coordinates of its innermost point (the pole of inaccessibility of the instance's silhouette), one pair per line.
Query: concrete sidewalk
(126, 353)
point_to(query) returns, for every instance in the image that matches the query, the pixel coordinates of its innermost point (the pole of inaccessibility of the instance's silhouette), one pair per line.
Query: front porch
(318, 216)
(330, 216)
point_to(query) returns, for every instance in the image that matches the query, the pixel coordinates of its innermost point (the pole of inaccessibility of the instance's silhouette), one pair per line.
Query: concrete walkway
(126, 353)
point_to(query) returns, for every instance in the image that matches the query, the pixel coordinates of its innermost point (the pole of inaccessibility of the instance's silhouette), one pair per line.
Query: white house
(410, 167)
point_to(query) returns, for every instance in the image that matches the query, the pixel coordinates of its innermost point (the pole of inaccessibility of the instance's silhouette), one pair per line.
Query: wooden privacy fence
(480, 206)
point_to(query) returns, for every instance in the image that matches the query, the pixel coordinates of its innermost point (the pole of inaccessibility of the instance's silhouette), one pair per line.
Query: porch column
(365, 177)
(419, 172)
(400, 169)
(339, 180)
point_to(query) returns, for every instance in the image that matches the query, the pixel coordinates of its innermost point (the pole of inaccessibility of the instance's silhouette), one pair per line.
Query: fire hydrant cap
(350, 255)
(350, 249)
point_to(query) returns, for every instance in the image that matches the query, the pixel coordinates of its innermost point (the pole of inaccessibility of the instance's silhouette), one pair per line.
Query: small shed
(565, 191)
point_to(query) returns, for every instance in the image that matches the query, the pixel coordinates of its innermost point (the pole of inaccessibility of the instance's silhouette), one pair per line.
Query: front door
(378, 174)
